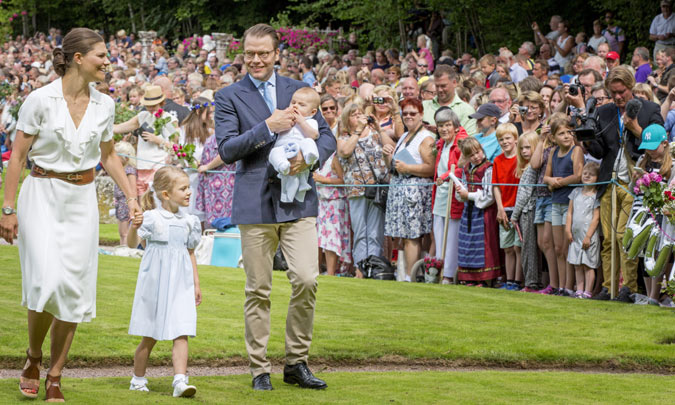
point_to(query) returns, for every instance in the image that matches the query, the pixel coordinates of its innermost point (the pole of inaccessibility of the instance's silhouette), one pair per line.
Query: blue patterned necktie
(266, 96)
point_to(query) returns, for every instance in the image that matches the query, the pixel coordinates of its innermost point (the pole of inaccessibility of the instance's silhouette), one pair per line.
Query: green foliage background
(493, 23)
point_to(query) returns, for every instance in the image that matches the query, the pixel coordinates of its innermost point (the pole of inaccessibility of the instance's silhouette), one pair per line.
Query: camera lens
(574, 89)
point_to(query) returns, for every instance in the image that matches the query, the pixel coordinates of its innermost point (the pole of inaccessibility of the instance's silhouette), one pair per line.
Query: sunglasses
(409, 113)
(329, 108)
(423, 65)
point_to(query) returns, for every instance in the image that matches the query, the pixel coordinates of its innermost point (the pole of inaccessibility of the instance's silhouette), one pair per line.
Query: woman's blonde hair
(645, 90)
(164, 180)
(532, 140)
(348, 110)
(127, 149)
(391, 99)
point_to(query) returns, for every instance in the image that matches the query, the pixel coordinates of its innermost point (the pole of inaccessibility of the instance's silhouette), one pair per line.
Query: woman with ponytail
(64, 129)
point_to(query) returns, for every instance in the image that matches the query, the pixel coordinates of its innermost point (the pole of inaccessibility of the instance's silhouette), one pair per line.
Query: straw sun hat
(153, 96)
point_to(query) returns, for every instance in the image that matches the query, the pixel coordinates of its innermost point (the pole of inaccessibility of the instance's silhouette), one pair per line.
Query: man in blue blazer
(249, 116)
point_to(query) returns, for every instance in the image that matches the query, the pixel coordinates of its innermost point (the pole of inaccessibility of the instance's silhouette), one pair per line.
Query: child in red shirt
(504, 172)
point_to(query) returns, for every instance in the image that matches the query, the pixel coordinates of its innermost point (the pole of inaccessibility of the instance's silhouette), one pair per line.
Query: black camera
(523, 110)
(370, 120)
(585, 123)
(575, 88)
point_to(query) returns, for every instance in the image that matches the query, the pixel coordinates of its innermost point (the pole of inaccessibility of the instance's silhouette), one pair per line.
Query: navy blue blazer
(244, 138)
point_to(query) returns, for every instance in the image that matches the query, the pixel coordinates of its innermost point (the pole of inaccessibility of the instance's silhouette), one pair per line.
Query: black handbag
(377, 268)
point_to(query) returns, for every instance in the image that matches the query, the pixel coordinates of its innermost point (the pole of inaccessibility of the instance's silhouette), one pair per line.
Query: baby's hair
(469, 145)
(558, 122)
(164, 180)
(311, 95)
(127, 149)
(507, 128)
(532, 139)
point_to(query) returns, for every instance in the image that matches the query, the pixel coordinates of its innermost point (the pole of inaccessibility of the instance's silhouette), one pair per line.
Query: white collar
(55, 89)
(168, 214)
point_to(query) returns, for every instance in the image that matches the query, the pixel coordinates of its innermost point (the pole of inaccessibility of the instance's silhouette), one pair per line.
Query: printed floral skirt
(408, 213)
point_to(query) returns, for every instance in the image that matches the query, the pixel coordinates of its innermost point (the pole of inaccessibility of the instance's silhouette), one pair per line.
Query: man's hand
(298, 164)
(281, 120)
(576, 101)
(632, 125)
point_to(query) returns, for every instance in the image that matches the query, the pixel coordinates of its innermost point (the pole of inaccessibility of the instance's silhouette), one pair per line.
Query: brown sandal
(53, 389)
(29, 382)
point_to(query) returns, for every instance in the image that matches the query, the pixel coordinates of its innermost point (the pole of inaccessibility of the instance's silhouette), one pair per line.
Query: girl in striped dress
(478, 245)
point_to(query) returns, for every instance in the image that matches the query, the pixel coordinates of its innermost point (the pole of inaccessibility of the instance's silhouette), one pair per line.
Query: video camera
(585, 123)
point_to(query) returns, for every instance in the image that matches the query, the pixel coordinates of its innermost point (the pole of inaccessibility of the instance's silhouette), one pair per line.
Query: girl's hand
(464, 193)
(440, 181)
(318, 178)
(359, 274)
(570, 238)
(137, 220)
(586, 243)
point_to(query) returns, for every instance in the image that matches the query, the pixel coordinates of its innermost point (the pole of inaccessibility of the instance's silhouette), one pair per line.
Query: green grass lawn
(482, 387)
(358, 320)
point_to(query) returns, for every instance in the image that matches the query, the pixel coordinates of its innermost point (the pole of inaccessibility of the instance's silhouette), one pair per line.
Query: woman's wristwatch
(8, 211)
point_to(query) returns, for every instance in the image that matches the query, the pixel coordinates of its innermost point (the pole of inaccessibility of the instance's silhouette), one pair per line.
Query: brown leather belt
(77, 178)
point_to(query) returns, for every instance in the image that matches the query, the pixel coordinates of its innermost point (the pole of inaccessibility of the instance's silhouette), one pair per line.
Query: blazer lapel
(251, 97)
(284, 92)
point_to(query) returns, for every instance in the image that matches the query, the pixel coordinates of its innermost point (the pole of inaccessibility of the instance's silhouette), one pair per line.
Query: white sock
(179, 378)
(407, 278)
(139, 380)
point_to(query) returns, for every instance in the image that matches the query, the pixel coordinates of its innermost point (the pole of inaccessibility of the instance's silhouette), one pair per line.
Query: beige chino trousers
(298, 241)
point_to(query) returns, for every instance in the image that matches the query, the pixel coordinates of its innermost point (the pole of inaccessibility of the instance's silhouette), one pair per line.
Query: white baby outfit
(287, 146)
(164, 304)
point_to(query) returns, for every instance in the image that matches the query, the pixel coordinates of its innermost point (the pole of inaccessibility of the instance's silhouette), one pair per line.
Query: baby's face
(303, 105)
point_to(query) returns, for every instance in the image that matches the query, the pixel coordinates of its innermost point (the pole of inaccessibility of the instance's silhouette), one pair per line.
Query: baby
(300, 138)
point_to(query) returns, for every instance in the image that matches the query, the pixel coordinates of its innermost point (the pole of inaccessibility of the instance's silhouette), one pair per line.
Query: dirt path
(201, 371)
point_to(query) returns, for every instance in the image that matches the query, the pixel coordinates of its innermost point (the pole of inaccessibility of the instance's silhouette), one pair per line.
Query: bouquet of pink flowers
(652, 189)
(185, 154)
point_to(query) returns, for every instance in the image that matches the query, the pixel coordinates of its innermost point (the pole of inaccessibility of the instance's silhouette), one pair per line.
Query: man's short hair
(530, 83)
(596, 75)
(306, 61)
(262, 30)
(446, 70)
(642, 52)
(530, 47)
(620, 74)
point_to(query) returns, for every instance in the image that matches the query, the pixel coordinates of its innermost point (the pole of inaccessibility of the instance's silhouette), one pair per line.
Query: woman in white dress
(65, 129)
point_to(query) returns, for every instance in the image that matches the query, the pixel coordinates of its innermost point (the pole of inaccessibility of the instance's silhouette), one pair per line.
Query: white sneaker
(181, 389)
(139, 387)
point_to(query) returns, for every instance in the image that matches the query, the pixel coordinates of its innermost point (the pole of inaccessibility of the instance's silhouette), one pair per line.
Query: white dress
(58, 221)
(164, 303)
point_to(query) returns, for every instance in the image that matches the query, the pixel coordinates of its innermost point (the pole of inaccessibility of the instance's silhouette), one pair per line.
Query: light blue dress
(164, 304)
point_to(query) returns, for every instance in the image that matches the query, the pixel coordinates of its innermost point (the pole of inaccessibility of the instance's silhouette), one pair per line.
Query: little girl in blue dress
(167, 291)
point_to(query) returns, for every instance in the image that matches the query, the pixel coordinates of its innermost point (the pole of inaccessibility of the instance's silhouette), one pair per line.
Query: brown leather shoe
(53, 388)
(29, 382)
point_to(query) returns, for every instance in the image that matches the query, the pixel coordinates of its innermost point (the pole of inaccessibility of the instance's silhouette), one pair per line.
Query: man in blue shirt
(307, 75)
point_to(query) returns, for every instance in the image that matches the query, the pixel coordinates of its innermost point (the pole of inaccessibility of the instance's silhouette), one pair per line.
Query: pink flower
(639, 183)
(175, 147)
(15, 15)
(655, 177)
(11, 19)
(637, 189)
(24, 12)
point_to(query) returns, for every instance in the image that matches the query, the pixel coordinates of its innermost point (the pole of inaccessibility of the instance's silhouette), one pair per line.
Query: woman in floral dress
(214, 193)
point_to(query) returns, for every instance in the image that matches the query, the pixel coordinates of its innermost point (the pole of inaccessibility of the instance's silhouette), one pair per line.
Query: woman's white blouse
(58, 145)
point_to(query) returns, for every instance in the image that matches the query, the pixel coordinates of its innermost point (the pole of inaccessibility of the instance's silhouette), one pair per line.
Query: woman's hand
(136, 219)
(198, 295)
(388, 150)
(401, 168)
(150, 137)
(203, 169)
(9, 227)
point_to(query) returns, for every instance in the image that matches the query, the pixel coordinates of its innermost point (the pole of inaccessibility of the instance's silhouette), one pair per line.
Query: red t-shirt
(504, 171)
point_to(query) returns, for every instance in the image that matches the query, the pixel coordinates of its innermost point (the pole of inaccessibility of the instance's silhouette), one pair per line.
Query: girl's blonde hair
(532, 139)
(666, 164)
(164, 180)
(645, 90)
(125, 148)
(469, 145)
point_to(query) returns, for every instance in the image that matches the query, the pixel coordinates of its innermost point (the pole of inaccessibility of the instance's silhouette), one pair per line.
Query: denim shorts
(542, 212)
(559, 214)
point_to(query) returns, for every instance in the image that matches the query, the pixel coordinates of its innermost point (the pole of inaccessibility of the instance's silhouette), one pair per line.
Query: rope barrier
(378, 185)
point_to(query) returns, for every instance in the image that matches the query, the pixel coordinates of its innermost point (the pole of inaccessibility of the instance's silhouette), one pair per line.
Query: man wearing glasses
(422, 71)
(249, 116)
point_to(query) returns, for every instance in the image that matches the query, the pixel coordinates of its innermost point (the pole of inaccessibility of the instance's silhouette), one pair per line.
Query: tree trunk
(143, 17)
(131, 17)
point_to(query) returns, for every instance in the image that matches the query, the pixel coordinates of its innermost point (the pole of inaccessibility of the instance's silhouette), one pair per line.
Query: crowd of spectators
(405, 118)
